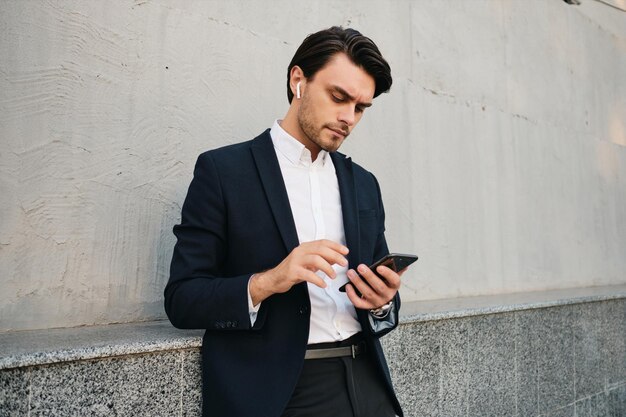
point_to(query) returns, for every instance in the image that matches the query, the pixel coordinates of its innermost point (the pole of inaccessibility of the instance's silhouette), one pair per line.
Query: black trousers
(340, 387)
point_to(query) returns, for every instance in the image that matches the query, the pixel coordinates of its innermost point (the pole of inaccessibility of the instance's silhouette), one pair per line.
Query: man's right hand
(299, 266)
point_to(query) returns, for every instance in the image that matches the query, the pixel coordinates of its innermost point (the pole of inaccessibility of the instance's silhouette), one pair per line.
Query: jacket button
(303, 310)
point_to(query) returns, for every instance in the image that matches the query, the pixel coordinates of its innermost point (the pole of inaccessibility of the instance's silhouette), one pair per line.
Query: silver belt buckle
(353, 348)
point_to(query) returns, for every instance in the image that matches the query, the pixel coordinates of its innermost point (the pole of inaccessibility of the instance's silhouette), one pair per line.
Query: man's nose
(347, 115)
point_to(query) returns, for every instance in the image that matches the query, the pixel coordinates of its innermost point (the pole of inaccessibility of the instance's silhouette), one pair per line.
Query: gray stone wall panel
(614, 324)
(562, 361)
(595, 405)
(552, 341)
(592, 355)
(569, 411)
(413, 355)
(491, 352)
(14, 392)
(191, 385)
(526, 373)
(455, 377)
(147, 385)
(617, 401)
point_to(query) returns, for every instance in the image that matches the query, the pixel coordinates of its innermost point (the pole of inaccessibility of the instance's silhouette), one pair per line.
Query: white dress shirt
(315, 202)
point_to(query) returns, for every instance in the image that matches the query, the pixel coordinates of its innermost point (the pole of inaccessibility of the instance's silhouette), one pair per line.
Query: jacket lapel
(350, 209)
(274, 185)
(347, 190)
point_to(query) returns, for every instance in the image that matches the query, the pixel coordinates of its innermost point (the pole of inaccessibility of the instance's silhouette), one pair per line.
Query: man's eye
(359, 109)
(337, 99)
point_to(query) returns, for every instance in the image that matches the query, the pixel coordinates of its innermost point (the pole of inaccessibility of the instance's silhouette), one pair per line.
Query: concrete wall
(501, 149)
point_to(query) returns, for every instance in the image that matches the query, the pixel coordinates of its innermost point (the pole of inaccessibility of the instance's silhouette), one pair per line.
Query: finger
(391, 278)
(312, 277)
(358, 302)
(379, 294)
(330, 254)
(335, 246)
(362, 286)
(375, 282)
(316, 263)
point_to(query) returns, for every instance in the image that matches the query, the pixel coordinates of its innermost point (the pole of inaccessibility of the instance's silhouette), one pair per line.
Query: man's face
(333, 102)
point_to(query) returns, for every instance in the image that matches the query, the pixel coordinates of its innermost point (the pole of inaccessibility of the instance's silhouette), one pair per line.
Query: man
(270, 229)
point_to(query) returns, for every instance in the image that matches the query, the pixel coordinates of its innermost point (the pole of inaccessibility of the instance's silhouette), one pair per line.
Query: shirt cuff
(252, 310)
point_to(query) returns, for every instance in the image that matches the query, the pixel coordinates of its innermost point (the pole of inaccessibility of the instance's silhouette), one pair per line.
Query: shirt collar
(292, 149)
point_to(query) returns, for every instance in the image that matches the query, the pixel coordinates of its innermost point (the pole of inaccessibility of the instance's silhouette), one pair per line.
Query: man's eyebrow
(345, 93)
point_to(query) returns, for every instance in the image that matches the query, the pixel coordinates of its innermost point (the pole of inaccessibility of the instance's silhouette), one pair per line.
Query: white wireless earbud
(298, 90)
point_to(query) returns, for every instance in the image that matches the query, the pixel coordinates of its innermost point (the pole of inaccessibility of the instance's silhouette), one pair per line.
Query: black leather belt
(335, 352)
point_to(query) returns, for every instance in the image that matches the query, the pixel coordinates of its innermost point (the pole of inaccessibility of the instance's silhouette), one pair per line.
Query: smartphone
(394, 261)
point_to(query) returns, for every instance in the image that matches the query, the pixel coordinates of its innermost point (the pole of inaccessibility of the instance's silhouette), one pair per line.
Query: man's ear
(297, 76)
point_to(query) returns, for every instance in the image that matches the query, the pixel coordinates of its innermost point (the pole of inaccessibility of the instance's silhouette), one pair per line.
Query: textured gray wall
(501, 149)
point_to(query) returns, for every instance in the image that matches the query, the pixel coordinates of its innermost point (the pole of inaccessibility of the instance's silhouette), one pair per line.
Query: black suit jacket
(236, 221)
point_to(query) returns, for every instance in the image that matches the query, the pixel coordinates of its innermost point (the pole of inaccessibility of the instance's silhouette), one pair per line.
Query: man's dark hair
(317, 49)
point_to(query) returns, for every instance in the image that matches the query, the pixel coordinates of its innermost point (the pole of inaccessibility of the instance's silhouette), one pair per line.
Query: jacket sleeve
(197, 295)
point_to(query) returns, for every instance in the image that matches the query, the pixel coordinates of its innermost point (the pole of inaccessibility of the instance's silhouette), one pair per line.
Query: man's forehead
(341, 73)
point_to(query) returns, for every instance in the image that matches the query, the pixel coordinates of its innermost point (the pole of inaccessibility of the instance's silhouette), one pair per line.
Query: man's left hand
(379, 292)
